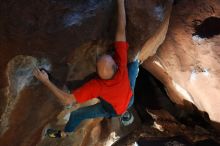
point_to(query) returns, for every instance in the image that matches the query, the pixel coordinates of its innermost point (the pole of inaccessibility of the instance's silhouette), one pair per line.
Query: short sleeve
(89, 90)
(121, 52)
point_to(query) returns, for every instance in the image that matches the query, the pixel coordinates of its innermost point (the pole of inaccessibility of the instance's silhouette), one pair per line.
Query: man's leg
(93, 111)
(133, 69)
(76, 117)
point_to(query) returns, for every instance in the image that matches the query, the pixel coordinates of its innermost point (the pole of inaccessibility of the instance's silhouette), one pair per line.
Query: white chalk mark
(159, 13)
(81, 12)
(197, 39)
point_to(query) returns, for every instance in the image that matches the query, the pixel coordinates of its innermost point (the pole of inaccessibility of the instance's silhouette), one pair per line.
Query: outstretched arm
(120, 32)
(64, 97)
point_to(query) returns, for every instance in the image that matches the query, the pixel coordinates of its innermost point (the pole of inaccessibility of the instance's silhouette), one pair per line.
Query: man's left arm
(121, 46)
(121, 26)
(63, 97)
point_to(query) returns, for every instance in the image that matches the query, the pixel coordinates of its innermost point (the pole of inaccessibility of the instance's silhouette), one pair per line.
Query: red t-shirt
(116, 91)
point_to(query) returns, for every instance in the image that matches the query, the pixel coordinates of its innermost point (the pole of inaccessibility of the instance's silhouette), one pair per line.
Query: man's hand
(64, 97)
(41, 75)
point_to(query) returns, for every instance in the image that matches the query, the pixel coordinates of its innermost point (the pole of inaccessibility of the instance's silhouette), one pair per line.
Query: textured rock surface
(188, 61)
(63, 37)
(165, 125)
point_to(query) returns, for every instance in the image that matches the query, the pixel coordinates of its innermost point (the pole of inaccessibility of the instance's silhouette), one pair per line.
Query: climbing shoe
(127, 118)
(53, 133)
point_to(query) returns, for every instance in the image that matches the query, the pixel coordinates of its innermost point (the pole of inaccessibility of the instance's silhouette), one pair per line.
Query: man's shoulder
(121, 44)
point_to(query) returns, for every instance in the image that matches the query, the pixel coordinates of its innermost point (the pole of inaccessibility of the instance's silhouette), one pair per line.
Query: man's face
(106, 67)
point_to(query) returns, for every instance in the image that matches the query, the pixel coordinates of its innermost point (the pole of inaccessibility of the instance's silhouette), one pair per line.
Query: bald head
(106, 67)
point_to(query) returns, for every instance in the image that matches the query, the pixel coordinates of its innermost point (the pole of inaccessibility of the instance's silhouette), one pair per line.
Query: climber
(114, 85)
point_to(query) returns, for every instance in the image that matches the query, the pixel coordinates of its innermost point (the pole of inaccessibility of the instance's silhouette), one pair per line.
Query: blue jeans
(102, 109)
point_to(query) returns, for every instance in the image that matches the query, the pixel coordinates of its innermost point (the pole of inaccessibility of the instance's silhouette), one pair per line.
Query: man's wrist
(46, 82)
(121, 1)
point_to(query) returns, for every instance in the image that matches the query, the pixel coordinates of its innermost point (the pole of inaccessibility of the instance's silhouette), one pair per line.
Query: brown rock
(63, 37)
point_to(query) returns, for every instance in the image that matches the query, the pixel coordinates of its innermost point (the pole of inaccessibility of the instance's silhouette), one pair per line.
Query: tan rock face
(188, 61)
(64, 37)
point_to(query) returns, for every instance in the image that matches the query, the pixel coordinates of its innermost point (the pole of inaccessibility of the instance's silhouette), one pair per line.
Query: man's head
(106, 67)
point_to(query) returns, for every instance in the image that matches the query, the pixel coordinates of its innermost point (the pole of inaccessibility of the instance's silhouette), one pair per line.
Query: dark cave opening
(207, 28)
(150, 94)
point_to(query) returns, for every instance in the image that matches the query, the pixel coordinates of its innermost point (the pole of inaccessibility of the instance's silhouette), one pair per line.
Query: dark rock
(68, 35)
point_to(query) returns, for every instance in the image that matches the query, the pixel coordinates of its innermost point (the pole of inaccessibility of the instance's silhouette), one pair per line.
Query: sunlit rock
(188, 61)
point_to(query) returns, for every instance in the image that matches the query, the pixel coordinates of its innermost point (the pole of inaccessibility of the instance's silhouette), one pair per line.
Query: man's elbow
(69, 99)
(120, 37)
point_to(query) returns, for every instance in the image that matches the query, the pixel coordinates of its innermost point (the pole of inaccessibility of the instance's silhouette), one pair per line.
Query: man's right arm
(64, 97)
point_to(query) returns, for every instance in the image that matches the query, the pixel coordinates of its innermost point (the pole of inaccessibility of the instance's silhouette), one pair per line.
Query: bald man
(114, 85)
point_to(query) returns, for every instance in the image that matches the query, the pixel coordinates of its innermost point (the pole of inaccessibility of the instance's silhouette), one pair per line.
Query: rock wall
(64, 37)
(188, 61)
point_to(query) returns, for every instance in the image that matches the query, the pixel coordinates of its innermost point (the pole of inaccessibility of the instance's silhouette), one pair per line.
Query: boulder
(187, 63)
